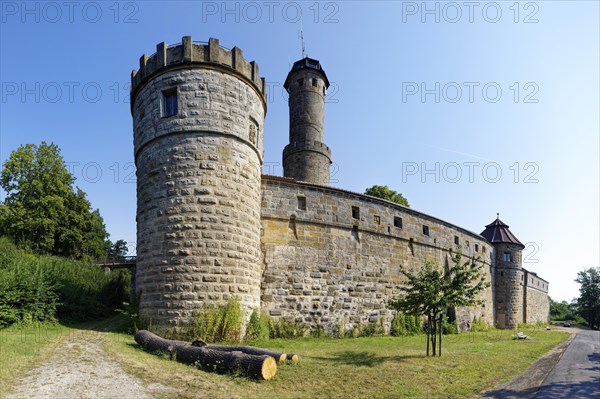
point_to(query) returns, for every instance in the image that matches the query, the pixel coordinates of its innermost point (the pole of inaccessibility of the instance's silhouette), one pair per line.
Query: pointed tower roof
(498, 232)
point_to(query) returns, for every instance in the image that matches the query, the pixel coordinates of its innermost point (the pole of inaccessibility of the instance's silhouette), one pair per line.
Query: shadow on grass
(115, 323)
(363, 358)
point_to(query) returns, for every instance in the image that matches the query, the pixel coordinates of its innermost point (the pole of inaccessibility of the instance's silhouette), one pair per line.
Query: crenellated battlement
(188, 52)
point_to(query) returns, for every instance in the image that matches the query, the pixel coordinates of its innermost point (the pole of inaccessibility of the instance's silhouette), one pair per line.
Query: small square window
(355, 212)
(456, 240)
(426, 230)
(301, 203)
(398, 222)
(169, 106)
(377, 219)
(314, 82)
(507, 257)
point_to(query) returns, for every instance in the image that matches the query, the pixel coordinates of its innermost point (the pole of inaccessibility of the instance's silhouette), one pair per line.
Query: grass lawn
(377, 367)
(23, 348)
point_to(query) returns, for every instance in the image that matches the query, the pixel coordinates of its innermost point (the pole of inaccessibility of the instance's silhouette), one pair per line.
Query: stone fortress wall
(536, 306)
(211, 228)
(332, 255)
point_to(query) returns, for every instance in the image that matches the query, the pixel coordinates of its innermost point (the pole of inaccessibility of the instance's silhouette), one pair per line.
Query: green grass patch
(373, 367)
(22, 348)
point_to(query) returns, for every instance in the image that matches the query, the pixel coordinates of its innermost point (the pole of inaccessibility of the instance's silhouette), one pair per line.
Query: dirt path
(80, 368)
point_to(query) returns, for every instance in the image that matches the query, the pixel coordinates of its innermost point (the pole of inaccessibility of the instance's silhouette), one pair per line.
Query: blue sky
(467, 108)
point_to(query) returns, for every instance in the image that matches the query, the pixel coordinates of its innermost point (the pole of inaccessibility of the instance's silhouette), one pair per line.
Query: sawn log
(253, 366)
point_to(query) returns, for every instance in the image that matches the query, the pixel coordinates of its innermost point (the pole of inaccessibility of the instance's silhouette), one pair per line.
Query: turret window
(476, 248)
(314, 82)
(507, 257)
(355, 212)
(301, 203)
(426, 230)
(377, 219)
(398, 222)
(456, 240)
(301, 82)
(169, 103)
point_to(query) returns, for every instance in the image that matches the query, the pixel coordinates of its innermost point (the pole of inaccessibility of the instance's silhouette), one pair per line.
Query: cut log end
(269, 368)
(199, 343)
(282, 358)
(293, 358)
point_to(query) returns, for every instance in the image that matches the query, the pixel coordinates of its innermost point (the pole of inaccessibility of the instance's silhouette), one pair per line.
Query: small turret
(509, 274)
(306, 157)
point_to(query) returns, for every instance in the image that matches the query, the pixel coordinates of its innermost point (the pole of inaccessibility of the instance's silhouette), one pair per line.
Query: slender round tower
(306, 157)
(509, 274)
(198, 116)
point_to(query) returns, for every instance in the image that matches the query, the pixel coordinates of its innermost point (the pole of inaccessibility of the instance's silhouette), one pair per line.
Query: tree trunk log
(254, 366)
(250, 350)
(293, 358)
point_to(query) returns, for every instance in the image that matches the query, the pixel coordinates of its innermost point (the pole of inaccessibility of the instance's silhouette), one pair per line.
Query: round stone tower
(198, 117)
(509, 274)
(306, 157)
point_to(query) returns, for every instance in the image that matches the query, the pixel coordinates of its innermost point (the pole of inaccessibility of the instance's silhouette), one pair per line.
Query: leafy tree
(588, 303)
(118, 249)
(41, 208)
(432, 290)
(387, 194)
(562, 310)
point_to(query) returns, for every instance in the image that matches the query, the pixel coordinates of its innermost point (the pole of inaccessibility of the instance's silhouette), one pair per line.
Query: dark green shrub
(479, 325)
(448, 326)
(27, 294)
(219, 323)
(41, 288)
(373, 329)
(287, 329)
(258, 327)
(318, 332)
(405, 325)
(398, 327)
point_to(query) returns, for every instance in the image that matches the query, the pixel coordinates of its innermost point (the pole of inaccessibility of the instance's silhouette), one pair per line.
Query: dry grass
(378, 367)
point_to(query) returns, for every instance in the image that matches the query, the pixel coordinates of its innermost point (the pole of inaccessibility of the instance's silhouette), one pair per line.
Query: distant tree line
(586, 308)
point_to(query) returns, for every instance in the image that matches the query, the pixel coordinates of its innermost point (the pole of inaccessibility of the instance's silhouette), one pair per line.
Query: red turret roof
(498, 232)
